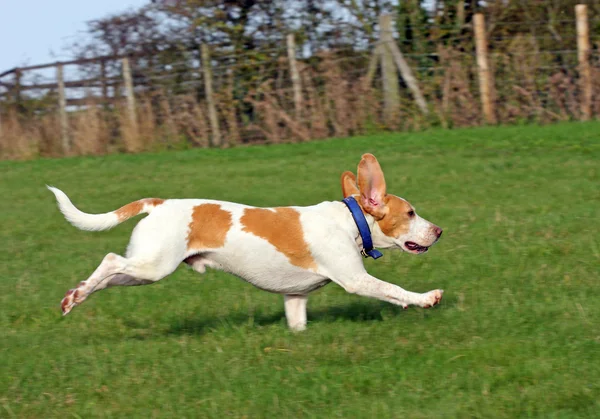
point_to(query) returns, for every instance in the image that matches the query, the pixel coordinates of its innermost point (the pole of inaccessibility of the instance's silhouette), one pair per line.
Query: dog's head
(396, 222)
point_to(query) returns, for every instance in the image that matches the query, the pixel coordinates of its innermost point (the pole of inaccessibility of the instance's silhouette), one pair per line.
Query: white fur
(159, 244)
(81, 220)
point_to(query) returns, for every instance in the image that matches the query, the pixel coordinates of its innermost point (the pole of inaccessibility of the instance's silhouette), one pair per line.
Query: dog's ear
(372, 186)
(349, 184)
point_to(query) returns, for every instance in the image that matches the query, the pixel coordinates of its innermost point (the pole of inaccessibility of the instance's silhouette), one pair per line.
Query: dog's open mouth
(414, 247)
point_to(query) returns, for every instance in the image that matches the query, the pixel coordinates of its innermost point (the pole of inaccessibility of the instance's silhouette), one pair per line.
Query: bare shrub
(561, 89)
(18, 140)
(596, 89)
(188, 121)
(460, 104)
(147, 128)
(314, 114)
(335, 90)
(89, 131)
(228, 108)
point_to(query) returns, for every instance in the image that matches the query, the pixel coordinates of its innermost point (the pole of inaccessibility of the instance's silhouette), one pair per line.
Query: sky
(39, 31)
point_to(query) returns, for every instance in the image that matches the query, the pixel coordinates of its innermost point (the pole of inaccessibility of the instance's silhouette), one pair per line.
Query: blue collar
(363, 228)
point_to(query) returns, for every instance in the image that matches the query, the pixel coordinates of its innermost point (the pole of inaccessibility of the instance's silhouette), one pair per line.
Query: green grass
(517, 335)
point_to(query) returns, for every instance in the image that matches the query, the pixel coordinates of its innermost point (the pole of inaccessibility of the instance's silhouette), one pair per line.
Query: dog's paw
(300, 327)
(72, 298)
(432, 298)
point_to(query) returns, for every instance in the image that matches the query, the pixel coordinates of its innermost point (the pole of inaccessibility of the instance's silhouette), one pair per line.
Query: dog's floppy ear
(372, 186)
(349, 184)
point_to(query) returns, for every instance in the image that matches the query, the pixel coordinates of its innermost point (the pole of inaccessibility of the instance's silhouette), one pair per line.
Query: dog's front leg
(295, 311)
(348, 271)
(369, 286)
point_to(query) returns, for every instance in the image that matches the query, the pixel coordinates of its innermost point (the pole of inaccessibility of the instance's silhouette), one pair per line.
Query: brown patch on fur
(283, 230)
(64, 303)
(155, 202)
(134, 208)
(396, 221)
(209, 227)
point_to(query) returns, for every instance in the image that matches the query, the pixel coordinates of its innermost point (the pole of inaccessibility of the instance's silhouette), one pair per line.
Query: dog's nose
(438, 231)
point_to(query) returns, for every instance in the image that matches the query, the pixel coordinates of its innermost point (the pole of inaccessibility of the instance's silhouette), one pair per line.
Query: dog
(285, 250)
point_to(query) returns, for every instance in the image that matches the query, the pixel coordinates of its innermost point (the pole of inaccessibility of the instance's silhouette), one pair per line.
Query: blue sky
(38, 31)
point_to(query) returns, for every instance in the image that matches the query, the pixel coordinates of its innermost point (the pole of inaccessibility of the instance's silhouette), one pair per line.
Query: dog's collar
(363, 228)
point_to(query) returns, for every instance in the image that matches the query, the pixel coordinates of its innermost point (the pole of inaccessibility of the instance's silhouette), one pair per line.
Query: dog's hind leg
(116, 270)
(199, 263)
(295, 311)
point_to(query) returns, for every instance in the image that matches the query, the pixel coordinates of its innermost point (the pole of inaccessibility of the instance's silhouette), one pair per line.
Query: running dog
(286, 250)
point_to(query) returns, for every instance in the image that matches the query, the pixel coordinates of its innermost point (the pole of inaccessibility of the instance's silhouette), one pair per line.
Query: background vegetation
(532, 51)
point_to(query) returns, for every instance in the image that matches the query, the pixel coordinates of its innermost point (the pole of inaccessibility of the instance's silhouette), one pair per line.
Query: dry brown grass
(459, 105)
(335, 101)
(147, 126)
(89, 132)
(18, 139)
(191, 120)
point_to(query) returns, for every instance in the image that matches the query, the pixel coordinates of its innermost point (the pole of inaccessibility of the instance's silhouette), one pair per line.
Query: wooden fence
(115, 83)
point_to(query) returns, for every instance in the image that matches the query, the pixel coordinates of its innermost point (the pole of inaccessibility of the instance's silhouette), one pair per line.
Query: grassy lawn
(517, 334)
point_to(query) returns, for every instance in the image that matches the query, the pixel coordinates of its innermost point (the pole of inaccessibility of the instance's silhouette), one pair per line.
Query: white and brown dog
(286, 250)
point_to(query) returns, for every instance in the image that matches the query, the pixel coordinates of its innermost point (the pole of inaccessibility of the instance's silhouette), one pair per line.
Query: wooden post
(62, 110)
(233, 135)
(408, 76)
(17, 87)
(212, 111)
(103, 82)
(583, 54)
(485, 77)
(375, 58)
(295, 75)
(460, 14)
(129, 94)
(391, 88)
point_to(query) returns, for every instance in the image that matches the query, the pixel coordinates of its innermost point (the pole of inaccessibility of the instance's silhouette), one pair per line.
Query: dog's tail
(98, 222)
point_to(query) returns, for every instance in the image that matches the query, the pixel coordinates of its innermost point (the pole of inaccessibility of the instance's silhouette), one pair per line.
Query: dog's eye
(411, 213)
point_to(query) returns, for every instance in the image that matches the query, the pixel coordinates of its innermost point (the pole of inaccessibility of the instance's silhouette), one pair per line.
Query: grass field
(517, 334)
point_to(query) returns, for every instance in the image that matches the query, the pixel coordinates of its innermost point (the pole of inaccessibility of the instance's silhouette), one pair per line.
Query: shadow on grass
(360, 311)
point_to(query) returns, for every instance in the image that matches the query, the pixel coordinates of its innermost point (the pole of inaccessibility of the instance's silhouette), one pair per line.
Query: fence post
(485, 79)
(583, 55)
(212, 110)
(103, 82)
(17, 88)
(375, 58)
(408, 77)
(391, 88)
(295, 75)
(233, 135)
(62, 110)
(460, 14)
(129, 94)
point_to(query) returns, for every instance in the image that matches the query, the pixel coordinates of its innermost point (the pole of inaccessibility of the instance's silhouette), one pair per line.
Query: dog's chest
(268, 270)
